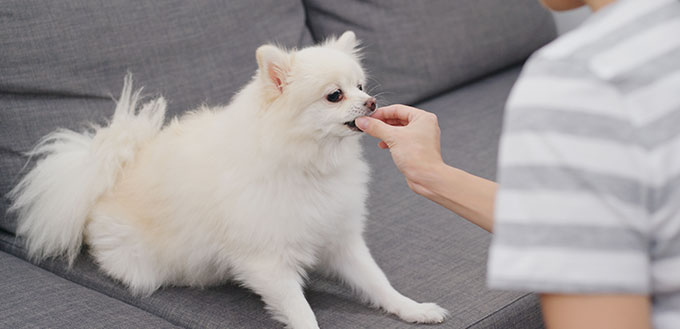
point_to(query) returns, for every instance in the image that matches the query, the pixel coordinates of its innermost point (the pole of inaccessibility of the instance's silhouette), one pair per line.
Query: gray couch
(62, 61)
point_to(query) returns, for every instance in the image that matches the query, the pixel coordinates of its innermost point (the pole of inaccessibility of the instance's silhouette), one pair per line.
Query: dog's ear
(274, 65)
(347, 42)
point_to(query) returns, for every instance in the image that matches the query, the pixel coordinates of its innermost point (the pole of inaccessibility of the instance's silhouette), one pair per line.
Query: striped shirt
(589, 164)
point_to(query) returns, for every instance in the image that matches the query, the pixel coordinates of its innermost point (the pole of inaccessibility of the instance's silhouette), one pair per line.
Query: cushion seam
(93, 290)
(497, 311)
(171, 321)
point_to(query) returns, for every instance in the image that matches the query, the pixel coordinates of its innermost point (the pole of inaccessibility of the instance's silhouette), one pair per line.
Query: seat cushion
(428, 253)
(35, 298)
(63, 61)
(417, 49)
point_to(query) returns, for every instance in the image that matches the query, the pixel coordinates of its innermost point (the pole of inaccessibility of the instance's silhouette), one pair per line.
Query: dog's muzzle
(367, 109)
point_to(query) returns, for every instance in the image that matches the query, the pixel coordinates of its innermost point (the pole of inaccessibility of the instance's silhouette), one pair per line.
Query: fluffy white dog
(259, 191)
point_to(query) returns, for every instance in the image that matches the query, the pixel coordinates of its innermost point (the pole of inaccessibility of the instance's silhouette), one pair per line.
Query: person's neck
(596, 5)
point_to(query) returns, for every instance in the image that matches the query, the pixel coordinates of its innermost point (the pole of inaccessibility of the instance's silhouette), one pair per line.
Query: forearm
(596, 311)
(467, 195)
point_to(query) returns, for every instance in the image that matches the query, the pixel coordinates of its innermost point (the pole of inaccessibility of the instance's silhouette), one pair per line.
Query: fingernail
(362, 123)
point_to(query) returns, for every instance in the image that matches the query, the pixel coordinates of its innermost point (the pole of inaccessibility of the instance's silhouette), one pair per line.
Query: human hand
(411, 134)
(413, 137)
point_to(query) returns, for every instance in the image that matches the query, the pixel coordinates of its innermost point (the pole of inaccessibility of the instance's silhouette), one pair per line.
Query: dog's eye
(335, 96)
(361, 87)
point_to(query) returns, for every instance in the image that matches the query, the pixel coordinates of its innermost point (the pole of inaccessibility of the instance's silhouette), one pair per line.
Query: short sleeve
(570, 214)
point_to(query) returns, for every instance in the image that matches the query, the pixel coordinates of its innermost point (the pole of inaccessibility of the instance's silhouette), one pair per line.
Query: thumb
(374, 127)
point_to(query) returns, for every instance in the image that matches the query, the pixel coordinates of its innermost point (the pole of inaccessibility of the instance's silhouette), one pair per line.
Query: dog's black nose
(370, 103)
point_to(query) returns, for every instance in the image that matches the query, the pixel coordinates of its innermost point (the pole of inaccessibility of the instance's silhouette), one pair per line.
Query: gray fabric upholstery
(34, 298)
(62, 61)
(417, 49)
(427, 252)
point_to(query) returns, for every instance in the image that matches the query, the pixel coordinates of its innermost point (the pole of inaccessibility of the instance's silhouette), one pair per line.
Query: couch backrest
(417, 49)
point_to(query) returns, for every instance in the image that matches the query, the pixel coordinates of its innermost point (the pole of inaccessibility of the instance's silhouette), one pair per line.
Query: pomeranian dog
(259, 192)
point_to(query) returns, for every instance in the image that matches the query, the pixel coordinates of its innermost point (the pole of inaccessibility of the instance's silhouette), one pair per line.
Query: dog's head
(320, 88)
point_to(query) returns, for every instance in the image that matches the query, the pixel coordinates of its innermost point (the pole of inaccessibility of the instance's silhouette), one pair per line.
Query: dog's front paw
(423, 313)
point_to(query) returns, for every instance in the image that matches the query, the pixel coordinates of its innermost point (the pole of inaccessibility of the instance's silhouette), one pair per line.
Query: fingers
(395, 122)
(397, 113)
(375, 127)
(384, 122)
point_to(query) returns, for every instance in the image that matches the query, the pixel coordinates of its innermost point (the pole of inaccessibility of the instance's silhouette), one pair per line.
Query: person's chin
(562, 5)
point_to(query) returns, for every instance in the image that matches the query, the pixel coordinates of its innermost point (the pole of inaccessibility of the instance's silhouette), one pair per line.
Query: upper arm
(596, 311)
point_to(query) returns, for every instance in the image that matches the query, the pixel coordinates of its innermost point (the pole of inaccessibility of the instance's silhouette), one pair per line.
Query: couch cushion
(62, 61)
(416, 49)
(427, 252)
(35, 298)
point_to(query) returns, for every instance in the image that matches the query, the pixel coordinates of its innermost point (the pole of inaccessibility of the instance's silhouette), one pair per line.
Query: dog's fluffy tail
(54, 199)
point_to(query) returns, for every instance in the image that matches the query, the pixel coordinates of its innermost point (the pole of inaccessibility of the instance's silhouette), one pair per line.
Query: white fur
(259, 191)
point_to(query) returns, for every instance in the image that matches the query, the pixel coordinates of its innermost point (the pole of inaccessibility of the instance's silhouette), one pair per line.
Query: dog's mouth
(352, 125)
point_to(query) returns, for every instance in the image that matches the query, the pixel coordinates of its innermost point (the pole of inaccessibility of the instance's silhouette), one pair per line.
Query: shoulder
(615, 27)
(625, 43)
(617, 64)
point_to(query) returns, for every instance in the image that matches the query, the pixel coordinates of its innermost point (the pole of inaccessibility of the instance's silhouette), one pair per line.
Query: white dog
(259, 191)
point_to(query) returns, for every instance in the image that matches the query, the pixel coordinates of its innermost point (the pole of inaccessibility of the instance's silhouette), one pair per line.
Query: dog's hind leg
(280, 286)
(121, 252)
